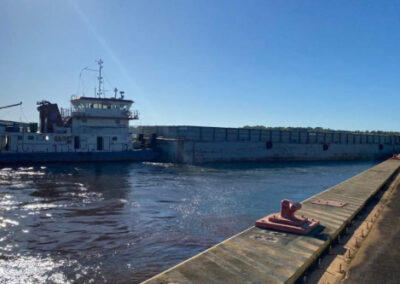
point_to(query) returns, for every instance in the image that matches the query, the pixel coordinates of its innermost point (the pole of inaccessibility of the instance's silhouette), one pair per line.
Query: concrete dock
(265, 256)
(377, 260)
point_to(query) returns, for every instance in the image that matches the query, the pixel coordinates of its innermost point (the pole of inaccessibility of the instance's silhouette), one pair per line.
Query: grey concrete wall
(191, 144)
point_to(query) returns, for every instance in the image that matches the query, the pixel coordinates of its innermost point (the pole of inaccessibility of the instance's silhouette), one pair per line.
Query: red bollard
(287, 221)
(395, 157)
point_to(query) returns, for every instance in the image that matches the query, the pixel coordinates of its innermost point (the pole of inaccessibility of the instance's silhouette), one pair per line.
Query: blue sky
(332, 64)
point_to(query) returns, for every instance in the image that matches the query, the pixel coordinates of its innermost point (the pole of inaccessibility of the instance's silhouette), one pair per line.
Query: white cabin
(92, 124)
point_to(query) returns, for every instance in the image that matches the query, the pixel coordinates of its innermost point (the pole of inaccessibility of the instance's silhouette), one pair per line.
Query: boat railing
(65, 113)
(134, 114)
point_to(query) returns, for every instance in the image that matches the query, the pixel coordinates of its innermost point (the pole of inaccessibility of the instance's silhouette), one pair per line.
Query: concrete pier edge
(350, 250)
(244, 249)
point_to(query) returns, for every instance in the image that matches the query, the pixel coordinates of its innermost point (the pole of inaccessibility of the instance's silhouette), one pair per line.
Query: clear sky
(333, 64)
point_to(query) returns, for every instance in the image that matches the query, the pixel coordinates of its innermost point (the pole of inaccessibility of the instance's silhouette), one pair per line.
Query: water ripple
(124, 222)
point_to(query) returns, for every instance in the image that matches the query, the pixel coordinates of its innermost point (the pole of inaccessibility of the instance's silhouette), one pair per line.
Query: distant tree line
(321, 129)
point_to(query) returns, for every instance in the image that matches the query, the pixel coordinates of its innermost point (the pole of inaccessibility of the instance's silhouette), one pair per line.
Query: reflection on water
(124, 222)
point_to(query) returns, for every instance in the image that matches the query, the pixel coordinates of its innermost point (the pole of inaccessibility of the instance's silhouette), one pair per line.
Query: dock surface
(264, 256)
(377, 261)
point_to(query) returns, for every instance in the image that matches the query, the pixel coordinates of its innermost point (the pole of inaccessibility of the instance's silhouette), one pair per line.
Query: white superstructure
(92, 124)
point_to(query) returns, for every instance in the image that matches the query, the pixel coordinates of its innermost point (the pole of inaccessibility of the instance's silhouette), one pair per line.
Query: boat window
(115, 138)
(30, 137)
(19, 137)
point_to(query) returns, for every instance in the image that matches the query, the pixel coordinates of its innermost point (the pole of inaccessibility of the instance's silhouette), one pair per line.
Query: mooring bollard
(287, 221)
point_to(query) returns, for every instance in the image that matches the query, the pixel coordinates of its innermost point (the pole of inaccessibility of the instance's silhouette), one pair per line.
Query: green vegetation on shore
(321, 129)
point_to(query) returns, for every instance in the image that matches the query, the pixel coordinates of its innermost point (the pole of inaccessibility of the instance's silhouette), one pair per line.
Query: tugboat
(92, 129)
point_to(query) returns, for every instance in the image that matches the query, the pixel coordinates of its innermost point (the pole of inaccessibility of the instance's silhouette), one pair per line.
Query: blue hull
(137, 155)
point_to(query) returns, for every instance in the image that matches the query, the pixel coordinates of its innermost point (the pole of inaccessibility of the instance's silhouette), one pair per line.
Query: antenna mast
(100, 78)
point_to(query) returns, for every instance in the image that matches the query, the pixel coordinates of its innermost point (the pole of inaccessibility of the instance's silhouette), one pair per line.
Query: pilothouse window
(105, 105)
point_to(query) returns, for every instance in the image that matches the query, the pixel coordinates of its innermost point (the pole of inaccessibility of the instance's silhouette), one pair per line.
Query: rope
(22, 112)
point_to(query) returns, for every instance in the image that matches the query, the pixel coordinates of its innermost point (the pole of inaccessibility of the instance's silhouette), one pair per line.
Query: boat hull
(61, 157)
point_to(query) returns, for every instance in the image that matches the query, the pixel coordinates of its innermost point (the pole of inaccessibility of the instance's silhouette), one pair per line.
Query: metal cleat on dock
(287, 221)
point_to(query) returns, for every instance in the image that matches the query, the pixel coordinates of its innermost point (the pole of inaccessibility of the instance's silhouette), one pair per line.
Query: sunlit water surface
(124, 222)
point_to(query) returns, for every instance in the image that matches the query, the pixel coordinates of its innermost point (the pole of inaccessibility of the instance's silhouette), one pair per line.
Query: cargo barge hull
(31, 158)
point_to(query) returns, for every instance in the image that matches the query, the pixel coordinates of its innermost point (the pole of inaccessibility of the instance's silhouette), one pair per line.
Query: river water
(124, 222)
